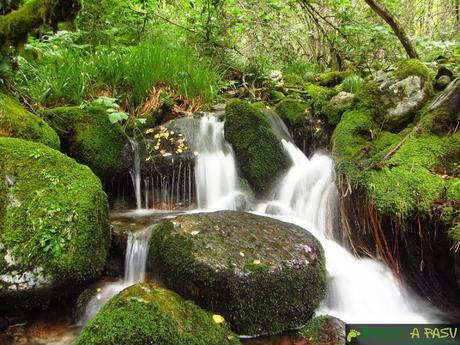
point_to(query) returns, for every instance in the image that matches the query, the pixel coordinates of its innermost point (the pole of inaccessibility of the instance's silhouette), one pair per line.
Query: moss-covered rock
(17, 122)
(396, 186)
(332, 78)
(31, 15)
(412, 67)
(292, 111)
(324, 330)
(264, 276)
(316, 92)
(147, 314)
(88, 136)
(259, 153)
(304, 126)
(54, 233)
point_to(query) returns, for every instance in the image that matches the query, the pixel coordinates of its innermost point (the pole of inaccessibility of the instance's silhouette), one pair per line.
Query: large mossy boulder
(147, 314)
(263, 275)
(259, 152)
(400, 190)
(88, 136)
(54, 232)
(17, 122)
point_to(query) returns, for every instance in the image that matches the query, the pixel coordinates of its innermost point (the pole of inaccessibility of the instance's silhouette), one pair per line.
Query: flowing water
(137, 250)
(360, 290)
(135, 172)
(216, 177)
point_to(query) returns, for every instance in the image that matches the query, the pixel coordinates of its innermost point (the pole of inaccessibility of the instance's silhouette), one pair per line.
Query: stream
(361, 290)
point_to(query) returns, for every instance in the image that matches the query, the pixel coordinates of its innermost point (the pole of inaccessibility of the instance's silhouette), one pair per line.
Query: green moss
(291, 111)
(246, 188)
(146, 314)
(331, 78)
(259, 153)
(453, 190)
(350, 138)
(313, 330)
(405, 183)
(352, 83)
(407, 68)
(322, 330)
(293, 79)
(276, 96)
(88, 136)
(454, 233)
(438, 121)
(383, 141)
(17, 122)
(265, 296)
(334, 112)
(318, 92)
(32, 14)
(54, 216)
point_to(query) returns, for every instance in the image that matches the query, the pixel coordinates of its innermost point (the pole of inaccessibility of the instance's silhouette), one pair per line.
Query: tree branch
(391, 20)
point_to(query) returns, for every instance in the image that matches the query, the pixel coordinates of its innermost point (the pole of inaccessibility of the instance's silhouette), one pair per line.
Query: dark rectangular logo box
(402, 334)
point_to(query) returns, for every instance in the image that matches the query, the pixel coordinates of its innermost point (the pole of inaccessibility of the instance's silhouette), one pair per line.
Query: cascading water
(360, 290)
(216, 178)
(135, 172)
(137, 250)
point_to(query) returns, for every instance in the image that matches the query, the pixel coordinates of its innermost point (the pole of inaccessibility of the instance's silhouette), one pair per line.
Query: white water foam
(216, 177)
(360, 290)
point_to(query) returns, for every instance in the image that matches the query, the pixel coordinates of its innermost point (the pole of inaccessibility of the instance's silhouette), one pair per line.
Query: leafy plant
(352, 83)
(113, 109)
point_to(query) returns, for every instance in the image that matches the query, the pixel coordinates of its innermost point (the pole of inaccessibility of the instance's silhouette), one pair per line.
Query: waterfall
(360, 290)
(137, 250)
(135, 172)
(216, 177)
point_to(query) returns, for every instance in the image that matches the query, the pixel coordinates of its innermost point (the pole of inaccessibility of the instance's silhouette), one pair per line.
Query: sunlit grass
(71, 75)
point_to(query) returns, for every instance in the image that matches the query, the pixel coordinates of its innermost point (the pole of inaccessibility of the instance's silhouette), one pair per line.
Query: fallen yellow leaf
(218, 319)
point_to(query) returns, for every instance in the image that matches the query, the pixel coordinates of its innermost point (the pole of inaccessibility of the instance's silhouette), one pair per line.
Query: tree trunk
(391, 20)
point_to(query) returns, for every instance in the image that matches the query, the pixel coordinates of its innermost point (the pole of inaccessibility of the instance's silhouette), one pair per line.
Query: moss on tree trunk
(18, 24)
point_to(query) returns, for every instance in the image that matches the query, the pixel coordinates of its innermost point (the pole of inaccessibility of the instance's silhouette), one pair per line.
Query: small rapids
(360, 290)
(137, 251)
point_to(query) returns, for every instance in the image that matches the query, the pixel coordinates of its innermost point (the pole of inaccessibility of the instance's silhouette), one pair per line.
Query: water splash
(137, 250)
(360, 290)
(216, 177)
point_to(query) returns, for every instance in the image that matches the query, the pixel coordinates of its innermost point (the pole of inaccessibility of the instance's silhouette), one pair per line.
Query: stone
(148, 314)
(262, 275)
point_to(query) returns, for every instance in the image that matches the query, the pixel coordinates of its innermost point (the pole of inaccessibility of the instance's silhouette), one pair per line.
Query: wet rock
(264, 276)
(166, 158)
(167, 319)
(259, 153)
